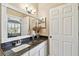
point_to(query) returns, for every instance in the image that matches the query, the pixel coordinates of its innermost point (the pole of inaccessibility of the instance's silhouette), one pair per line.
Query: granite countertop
(32, 44)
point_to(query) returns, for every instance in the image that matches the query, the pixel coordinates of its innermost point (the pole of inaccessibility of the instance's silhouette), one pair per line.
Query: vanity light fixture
(30, 10)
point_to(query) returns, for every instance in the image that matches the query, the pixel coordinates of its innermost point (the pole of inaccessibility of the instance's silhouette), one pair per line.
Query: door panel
(55, 25)
(55, 47)
(67, 10)
(67, 25)
(67, 47)
(54, 22)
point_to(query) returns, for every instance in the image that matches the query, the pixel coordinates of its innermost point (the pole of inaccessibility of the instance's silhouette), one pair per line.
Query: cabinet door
(42, 51)
(36, 54)
(46, 50)
(35, 51)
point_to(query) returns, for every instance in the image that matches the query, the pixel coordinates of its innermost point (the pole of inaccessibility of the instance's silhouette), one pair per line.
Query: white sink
(16, 49)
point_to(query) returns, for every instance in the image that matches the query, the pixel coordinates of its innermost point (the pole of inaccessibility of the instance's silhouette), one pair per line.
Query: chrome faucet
(33, 35)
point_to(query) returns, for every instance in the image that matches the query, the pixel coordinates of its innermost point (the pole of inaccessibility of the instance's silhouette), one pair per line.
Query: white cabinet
(63, 33)
(35, 51)
(39, 50)
(44, 51)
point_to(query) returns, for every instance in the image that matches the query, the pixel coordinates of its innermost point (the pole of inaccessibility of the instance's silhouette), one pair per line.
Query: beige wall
(43, 10)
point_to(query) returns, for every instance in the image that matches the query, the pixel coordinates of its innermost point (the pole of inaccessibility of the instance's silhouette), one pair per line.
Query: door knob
(50, 36)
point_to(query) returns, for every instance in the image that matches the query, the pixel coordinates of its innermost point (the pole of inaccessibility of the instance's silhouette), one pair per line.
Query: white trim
(20, 10)
(17, 38)
(15, 18)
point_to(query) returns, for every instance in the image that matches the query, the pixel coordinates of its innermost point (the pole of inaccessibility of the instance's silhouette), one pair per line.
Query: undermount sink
(19, 48)
(34, 42)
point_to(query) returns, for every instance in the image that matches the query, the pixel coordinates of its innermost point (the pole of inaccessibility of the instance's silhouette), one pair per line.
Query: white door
(63, 34)
(70, 29)
(55, 31)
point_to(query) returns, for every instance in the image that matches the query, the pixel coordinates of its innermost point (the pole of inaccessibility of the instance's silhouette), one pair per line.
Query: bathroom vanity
(36, 47)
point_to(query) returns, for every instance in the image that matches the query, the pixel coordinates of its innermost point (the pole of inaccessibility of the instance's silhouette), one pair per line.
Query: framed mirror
(14, 28)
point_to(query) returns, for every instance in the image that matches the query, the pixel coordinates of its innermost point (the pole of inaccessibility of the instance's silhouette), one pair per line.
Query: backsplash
(8, 45)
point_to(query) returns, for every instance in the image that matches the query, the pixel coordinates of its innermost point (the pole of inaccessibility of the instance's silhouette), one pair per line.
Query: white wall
(25, 26)
(3, 24)
(0, 25)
